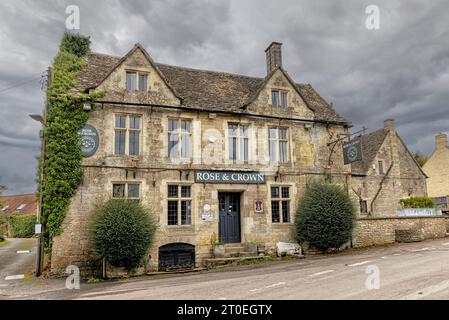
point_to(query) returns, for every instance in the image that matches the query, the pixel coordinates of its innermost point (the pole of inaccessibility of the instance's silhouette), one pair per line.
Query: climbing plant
(64, 117)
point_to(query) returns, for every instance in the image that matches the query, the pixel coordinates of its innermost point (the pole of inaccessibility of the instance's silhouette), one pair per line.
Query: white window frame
(137, 75)
(280, 94)
(180, 133)
(240, 139)
(278, 141)
(127, 129)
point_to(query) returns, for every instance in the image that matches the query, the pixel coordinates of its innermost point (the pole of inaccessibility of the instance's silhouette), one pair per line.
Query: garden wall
(387, 230)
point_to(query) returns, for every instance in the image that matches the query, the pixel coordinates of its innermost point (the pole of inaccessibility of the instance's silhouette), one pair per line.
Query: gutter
(344, 124)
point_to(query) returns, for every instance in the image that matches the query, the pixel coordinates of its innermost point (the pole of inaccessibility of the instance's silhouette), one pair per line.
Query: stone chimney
(274, 56)
(441, 141)
(389, 124)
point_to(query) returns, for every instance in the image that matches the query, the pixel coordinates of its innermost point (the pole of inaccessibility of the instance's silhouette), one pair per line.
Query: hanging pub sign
(233, 177)
(89, 140)
(352, 152)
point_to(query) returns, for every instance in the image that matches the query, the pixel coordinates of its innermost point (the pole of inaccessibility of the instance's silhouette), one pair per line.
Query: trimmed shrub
(418, 202)
(121, 232)
(325, 216)
(22, 226)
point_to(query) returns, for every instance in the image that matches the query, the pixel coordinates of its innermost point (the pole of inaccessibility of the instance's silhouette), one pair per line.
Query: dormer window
(131, 80)
(136, 81)
(279, 98)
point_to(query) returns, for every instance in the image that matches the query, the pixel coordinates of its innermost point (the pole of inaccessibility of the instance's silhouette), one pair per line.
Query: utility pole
(43, 120)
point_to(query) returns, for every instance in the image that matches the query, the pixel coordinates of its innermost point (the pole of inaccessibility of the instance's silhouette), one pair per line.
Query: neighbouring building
(437, 169)
(23, 204)
(212, 154)
(387, 173)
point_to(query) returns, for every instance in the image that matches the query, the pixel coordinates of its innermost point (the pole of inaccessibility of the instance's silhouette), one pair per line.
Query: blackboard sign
(352, 152)
(89, 140)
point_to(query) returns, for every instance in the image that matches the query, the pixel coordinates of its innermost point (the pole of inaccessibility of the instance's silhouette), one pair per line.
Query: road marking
(397, 254)
(446, 244)
(23, 251)
(320, 273)
(255, 290)
(275, 285)
(4, 285)
(422, 249)
(384, 257)
(427, 291)
(16, 277)
(359, 263)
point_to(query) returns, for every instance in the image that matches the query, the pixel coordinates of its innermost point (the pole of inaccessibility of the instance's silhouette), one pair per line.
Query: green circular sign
(89, 140)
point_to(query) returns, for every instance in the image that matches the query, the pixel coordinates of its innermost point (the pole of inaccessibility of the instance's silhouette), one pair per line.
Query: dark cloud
(400, 71)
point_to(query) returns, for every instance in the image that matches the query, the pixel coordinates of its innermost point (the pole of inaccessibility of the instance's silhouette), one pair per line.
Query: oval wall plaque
(89, 140)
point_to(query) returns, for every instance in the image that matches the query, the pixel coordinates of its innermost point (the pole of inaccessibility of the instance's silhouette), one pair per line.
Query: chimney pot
(389, 124)
(274, 56)
(441, 141)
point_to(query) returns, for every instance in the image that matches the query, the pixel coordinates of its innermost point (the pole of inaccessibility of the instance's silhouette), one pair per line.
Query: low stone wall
(387, 230)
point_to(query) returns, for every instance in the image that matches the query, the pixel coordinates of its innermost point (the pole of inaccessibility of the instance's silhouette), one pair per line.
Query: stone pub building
(214, 155)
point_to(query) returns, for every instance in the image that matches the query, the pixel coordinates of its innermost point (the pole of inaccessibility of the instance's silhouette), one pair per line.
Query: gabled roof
(268, 78)
(18, 204)
(136, 47)
(371, 144)
(204, 89)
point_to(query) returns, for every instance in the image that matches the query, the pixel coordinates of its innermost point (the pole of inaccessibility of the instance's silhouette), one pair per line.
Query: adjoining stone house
(437, 169)
(214, 155)
(387, 173)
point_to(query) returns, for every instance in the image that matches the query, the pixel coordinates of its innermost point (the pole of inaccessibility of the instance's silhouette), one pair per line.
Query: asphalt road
(17, 257)
(405, 271)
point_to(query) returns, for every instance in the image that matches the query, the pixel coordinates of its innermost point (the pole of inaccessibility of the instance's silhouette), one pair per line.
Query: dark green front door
(229, 224)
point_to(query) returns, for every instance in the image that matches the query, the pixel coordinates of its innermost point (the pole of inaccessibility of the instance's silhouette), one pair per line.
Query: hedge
(418, 202)
(22, 226)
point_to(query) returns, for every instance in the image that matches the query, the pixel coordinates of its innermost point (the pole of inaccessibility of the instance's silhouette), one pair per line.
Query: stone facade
(210, 102)
(437, 168)
(388, 173)
(309, 157)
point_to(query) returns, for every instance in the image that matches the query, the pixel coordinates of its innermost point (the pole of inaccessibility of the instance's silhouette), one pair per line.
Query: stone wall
(387, 230)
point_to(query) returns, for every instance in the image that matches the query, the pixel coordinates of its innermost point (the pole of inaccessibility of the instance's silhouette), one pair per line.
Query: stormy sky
(400, 71)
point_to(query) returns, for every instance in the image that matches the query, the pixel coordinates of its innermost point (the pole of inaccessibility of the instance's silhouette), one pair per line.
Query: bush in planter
(418, 202)
(121, 232)
(325, 216)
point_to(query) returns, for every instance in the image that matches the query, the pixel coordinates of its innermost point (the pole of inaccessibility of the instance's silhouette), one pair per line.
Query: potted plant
(218, 246)
(219, 249)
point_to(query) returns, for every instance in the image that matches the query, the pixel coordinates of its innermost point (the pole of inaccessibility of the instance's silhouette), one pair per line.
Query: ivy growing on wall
(64, 117)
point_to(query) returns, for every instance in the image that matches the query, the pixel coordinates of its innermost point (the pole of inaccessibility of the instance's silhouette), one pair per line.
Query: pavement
(401, 271)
